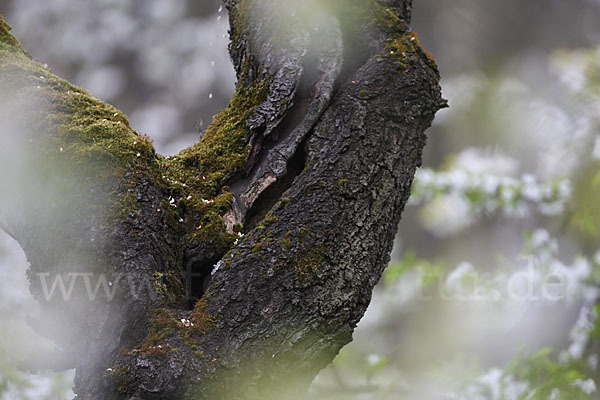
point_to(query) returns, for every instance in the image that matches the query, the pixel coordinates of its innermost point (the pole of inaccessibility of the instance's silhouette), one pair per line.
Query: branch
(240, 266)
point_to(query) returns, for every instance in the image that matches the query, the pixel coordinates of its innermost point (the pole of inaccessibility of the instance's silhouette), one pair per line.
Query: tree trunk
(238, 268)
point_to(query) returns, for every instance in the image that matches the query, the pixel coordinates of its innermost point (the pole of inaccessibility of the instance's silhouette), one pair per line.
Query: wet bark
(301, 229)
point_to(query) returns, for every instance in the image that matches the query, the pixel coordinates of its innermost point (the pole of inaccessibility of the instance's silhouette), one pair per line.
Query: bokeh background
(509, 188)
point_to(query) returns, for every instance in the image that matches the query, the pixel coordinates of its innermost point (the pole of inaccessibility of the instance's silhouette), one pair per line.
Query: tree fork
(283, 215)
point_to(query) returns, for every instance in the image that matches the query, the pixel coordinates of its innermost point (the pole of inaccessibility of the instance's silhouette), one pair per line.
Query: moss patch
(403, 47)
(196, 177)
(304, 258)
(87, 144)
(224, 148)
(86, 153)
(202, 321)
(6, 38)
(307, 262)
(163, 325)
(168, 327)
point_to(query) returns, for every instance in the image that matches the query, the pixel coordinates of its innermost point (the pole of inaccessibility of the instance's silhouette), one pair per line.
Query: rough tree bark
(240, 267)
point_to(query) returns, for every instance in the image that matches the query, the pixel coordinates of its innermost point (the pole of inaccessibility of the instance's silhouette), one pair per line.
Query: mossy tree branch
(294, 193)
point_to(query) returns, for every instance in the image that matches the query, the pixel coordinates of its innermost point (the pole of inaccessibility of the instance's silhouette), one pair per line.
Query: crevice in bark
(273, 193)
(198, 274)
(293, 117)
(276, 158)
(295, 165)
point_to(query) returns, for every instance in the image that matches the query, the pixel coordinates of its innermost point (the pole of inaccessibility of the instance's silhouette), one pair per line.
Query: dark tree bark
(238, 268)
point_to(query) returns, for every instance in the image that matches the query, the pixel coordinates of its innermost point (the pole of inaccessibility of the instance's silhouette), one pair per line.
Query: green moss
(163, 325)
(286, 242)
(239, 26)
(402, 48)
(269, 219)
(123, 377)
(6, 38)
(238, 228)
(305, 259)
(196, 177)
(211, 230)
(88, 151)
(405, 48)
(175, 282)
(194, 347)
(158, 284)
(256, 248)
(93, 142)
(89, 130)
(127, 206)
(265, 240)
(307, 262)
(166, 327)
(224, 148)
(203, 322)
